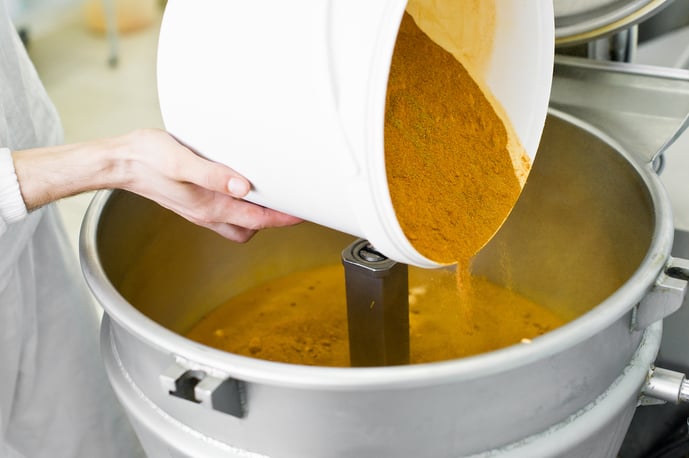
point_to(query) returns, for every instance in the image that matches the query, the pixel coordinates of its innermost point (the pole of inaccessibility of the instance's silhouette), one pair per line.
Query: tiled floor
(94, 99)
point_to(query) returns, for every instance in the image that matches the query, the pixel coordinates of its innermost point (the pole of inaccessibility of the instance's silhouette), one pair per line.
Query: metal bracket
(197, 386)
(666, 295)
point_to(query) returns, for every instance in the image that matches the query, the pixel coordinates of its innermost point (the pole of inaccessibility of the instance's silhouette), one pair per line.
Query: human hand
(204, 192)
(151, 163)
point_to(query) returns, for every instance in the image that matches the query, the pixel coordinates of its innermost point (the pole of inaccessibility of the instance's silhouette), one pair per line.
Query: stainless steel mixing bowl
(590, 236)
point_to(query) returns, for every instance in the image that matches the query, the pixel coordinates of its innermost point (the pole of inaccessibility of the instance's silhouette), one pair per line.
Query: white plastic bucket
(292, 96)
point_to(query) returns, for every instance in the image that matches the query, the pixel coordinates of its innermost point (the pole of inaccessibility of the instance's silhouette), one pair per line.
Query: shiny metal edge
(622, 68)
(600, 23)
(644, 108)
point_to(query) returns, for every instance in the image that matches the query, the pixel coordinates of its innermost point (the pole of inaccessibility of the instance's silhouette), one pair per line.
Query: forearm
(153, 164)
(51, 173)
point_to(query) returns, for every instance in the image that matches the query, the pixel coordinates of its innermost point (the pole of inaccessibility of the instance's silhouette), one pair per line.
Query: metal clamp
(665, 297)
(197, 386)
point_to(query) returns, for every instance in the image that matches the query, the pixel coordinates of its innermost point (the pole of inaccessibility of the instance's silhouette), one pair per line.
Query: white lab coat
(55, 399)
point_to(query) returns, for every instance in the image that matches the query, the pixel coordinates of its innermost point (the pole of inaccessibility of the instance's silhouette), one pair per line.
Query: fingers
(242, 230)
(232, 218)
(211, 175)
(204, 192)
(227, 210)
(270, 218)
(231, 232)
(216, 177)
(161, 152)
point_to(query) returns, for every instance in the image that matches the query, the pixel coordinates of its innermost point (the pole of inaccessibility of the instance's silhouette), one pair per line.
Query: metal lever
(377, 307)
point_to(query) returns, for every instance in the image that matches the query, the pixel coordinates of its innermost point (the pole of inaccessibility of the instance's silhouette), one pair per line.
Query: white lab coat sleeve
(12, 207)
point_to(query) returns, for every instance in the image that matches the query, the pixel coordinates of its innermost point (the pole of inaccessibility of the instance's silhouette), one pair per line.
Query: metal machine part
(660, 426)
(578, 21)
(666, 296)
(377, 307)
(142, 273)
(591, 432)
(644, 109)
(619, 47)
(665, 386)
(195, 385)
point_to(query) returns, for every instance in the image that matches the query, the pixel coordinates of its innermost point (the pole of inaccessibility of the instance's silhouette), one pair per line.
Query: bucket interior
(581, 228)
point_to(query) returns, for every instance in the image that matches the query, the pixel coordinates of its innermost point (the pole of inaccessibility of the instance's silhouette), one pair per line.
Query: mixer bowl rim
(247, 369)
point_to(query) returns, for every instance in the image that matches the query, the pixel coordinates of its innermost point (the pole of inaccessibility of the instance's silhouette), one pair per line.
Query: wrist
(51, 173)
(114, 160)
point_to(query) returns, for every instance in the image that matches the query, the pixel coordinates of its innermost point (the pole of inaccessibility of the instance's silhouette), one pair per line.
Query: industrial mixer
(154, 279)
(591, 234)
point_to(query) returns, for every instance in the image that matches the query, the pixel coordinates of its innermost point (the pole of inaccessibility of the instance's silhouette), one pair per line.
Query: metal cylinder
(667, 385)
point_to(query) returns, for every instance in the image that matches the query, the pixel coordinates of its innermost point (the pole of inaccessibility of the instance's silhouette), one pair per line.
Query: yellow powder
(450, 172)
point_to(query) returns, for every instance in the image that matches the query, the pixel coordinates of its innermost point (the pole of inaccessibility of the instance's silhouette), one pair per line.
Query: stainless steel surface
(656, 423)
(670, 19)
(594, 431)
(673, 351)
(619, 47)
(666, 296)
(643, 108)
(220, 394)
(579, 21)
(377, 291)
(666, 385)
(589, 236)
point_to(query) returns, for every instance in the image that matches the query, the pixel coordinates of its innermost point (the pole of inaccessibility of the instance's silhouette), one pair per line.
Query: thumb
(217, 177)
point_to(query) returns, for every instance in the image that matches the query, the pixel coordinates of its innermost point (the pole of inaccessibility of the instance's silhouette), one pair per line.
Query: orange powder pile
(450, 174)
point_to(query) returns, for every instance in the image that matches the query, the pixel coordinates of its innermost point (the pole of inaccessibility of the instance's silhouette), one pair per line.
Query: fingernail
(238, 187)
